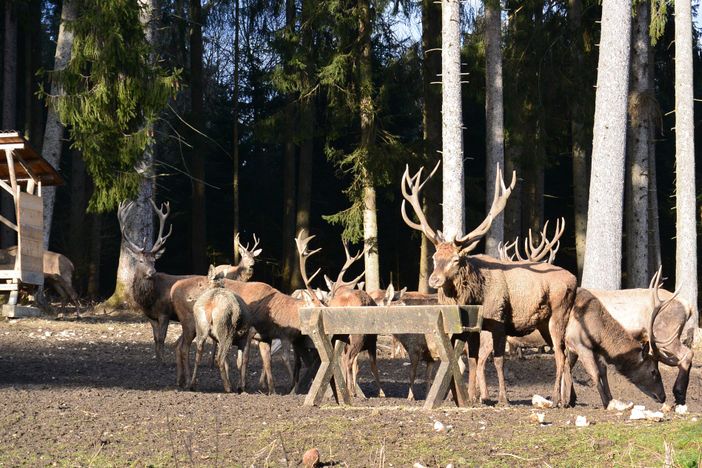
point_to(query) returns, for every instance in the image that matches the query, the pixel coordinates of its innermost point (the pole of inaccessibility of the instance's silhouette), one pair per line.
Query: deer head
(146, 259)
(248, 256)
(451, 254)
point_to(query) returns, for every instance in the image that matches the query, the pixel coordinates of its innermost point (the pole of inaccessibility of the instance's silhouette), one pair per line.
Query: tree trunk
(578, 134)
(288, 228)
(453, 209)
(513, 209)
(141, 217)
(603, 249)
(654, 231)
(431, 120)
(53, 132)
(306, 131)
(641, 112)
(77, 229)
(198, 218)
(367, 110)
(685, 211)
(494, 118)
(36, 126)
(235, 138)
(9, 108)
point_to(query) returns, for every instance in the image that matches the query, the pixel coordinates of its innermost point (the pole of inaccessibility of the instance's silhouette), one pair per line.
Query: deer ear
(401, 293)
(329, 282)
(389, 295)
(256, 252)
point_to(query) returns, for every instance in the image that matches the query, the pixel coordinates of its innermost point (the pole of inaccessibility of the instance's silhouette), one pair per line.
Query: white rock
(538, 417)
(418, 465)
(653, 415)
(540, 402)
(681, 409)
(581, 421)
(439, 426)
(617, 405)
(637, 412)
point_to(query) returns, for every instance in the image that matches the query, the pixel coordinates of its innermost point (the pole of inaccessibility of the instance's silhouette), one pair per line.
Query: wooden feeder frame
(23, 173)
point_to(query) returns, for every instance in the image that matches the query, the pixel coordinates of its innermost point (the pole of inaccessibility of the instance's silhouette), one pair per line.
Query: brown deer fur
(592, 335)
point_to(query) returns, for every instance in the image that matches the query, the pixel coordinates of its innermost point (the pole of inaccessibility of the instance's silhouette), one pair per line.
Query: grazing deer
(58, 272)
(516, 298)
(594, 336)
(244, 270)
(343, 294)
(151, 289)
(656, 316)
(220, 315)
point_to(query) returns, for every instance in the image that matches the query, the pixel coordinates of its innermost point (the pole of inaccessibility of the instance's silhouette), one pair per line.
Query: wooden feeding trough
(444, 324)
(23, 173)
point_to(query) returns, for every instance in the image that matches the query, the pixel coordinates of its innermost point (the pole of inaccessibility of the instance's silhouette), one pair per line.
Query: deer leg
(589, 361)
(683, 379)
(414, 363)
(602, 367)
(199, 347)
(568, 389)
(185, 340)
(486, 345)
(223, 362)
(213, 359)
(243, 363)
(473, 351)
(373, 354)
(557, 332)
(158, 347)
(498, 340)
(429, 375)
(265, 349)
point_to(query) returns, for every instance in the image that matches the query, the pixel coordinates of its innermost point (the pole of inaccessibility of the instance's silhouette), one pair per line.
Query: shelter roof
(28, 163)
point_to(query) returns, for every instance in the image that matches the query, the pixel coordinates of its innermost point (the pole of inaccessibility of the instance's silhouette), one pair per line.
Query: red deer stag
(151, 289)
(516, 298)
(244, 270)
(343, 294)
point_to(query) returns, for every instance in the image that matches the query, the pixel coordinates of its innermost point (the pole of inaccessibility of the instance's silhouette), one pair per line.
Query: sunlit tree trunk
(685, 211)
(431, 120)
(452, 120)
(494, 117)
(603, 250)
(370, 222)
(53, 132)
(235, 136)
(641, 103)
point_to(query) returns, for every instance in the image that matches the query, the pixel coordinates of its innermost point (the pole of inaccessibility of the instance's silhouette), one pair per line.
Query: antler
(550, 247)
(502, 193)
(304, 253)
(350, 260)
(162, 214)
(657, 305)
(122, 213)
(415, 185)
(246, 249)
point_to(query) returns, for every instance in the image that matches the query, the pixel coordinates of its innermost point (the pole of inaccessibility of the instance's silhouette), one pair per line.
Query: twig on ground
(285, 454)
(505, 454)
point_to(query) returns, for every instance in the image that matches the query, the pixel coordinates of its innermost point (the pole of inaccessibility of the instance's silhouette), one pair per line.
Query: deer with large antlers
(516, 298)
(151, 289)
(342, 293)
(244, 270)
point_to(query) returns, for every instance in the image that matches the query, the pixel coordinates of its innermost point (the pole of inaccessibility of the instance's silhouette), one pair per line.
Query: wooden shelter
(23, 173)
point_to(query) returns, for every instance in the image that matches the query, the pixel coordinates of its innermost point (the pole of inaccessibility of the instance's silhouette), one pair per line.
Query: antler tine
(122, 211)
(162, 214)
(546, 246)
(499, 200)
(415, 185)
(256, 241)
(350, 260)
(657, 304)
(304, 253)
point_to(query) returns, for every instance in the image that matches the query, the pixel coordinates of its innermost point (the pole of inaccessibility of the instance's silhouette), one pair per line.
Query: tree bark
(581, 174)
(93, 287)
(198, 217)
(53, 132)
(641, 114)
(453, 210)
(367, 111)
(494, 118)
(9, 107)
(603, 249)
(654, 232)
(685, 210)
(235, 137)
(79, 200)
(288, 227)
(431, 120)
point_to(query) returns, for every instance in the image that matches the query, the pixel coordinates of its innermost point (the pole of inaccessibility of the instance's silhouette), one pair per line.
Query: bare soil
(90, 392)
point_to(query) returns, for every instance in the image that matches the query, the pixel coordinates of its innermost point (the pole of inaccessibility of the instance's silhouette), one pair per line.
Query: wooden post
(448, 373)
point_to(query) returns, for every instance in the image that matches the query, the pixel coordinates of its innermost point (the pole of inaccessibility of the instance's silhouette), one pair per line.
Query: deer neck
(466, 286)
(144, 290)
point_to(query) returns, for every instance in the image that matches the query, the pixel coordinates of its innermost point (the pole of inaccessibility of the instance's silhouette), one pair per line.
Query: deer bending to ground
(516, 298)
(58, 272)
(594, 336)
(662, 325)
(219, 314)
(342, 293)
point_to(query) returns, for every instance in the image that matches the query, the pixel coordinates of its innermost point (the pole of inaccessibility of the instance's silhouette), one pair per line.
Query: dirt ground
(89, 392)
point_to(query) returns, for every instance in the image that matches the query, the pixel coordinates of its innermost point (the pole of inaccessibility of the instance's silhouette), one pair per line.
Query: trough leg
(329, 367)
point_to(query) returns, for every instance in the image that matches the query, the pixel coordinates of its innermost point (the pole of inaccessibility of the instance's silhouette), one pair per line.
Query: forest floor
(89, 392)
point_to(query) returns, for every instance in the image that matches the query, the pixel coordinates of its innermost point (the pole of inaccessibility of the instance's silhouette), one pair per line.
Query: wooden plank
(32, 277)
(17, 311)
(9, 287)
(394, 319)
(9, 274)
(5, 186)
(33, 233)
(31, 202)
(11, 169)
(8, 223)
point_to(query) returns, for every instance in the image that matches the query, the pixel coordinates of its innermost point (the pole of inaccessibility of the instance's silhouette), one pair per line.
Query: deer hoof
(381, 393)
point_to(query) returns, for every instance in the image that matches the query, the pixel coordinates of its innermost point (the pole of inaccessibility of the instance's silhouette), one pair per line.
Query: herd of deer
(520, 293)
